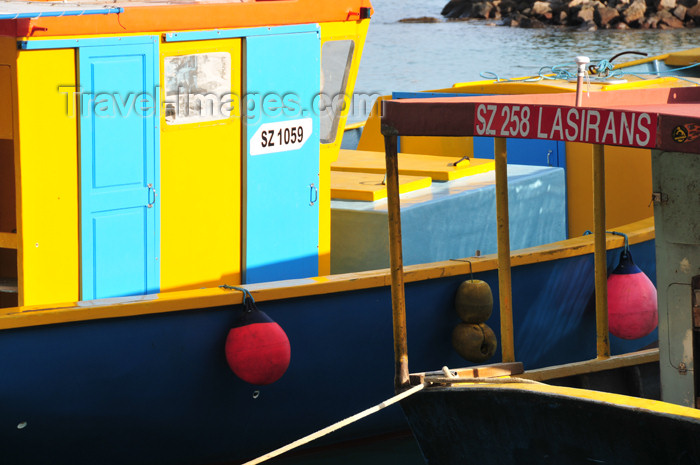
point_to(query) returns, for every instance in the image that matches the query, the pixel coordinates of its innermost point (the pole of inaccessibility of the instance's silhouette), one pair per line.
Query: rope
(615, 233)
(248, 300)
(452, 378)
(604, 70)
(338, 425)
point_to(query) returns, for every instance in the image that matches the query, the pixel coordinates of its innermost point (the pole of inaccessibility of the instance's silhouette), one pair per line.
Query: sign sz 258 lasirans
(594, 126)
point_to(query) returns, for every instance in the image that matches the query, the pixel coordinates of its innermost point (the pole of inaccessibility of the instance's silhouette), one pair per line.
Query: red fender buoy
(632, 307)
(257, 348)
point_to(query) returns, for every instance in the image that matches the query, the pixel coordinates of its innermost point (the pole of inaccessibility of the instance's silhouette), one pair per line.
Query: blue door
(118, 171)
(534, 152)
(281, 166)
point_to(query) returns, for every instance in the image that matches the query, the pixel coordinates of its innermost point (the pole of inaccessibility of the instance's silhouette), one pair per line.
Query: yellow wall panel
(627, 186)
(46, 150)
(355, 31)
(444, 146)
(201, 189)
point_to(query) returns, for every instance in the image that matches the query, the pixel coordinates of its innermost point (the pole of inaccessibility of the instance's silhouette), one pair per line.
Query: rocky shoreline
(582, 14)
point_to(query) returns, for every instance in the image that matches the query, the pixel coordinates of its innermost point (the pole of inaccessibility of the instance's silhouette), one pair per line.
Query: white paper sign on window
(198, 87)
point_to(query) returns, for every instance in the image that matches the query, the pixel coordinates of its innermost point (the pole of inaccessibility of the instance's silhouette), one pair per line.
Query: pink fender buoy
(632, 307)
(257, 348)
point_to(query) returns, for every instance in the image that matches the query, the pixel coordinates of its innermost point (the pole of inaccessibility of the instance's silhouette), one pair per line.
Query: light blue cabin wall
(281, 165)
(451, 220)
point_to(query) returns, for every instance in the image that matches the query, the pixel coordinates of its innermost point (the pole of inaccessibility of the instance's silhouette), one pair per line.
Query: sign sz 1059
(284, 136)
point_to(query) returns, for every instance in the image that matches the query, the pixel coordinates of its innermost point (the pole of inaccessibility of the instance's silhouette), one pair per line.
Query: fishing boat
(504, 414)
(167, 168)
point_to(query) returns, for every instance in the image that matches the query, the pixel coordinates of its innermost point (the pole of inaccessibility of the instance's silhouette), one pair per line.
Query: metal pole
(504, 284)
(600, 253)
(398, 300)
(581, 63)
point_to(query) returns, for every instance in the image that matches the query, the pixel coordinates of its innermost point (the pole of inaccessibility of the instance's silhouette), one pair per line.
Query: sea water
(420, 56)
(415, 56)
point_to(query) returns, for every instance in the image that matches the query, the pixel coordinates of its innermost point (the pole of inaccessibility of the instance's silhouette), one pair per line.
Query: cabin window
(336, 58)
(198, 87)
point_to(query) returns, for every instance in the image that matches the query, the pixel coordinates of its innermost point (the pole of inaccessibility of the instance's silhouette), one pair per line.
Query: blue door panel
(281, 187)
(525, 151)
(118, 171)
(127, 248)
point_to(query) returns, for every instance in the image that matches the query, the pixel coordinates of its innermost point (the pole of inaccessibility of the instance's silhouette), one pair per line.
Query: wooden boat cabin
(158, 146)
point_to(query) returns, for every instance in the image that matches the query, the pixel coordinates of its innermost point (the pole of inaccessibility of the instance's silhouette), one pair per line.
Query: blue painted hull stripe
(236, 33)
(44, 14)
(75, 43)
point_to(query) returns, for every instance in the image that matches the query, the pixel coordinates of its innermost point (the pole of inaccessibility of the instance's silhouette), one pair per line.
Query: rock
(542, 9)
(693, 11)
(457, 8)
(575, 4)
(422, 19)
(513, 20)
(665, 4)
(535, 24)
(523, 5)
(586, 14)
(606, 17)
(667, 18)
(650, 22)
(634, 13)
(520, 20)
(679, 12)
(506, 7)
(451, 5)
(481, 10)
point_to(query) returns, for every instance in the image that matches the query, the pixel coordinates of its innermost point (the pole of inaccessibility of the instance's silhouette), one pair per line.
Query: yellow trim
(344, 30)
(592, 366)
(440, 168)
(515, 88)
(19, 317)
(372, 138)
(683, 57)
(369, 187)
(662, 82)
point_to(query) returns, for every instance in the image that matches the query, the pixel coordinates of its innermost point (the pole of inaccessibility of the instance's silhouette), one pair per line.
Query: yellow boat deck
(439, 168)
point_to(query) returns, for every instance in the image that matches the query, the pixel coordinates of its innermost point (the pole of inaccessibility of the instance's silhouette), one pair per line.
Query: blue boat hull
(157, 389)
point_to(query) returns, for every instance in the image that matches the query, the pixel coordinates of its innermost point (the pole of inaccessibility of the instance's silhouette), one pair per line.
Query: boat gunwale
(585, 395)
(174, 301)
